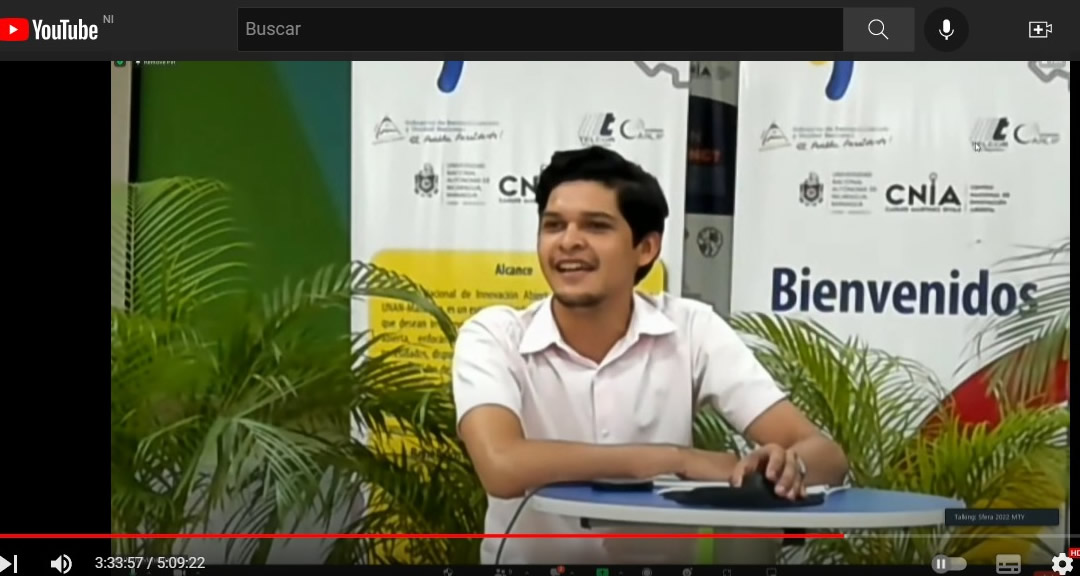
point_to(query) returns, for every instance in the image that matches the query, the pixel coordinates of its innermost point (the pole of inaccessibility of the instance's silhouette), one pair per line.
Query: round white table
(853, 508)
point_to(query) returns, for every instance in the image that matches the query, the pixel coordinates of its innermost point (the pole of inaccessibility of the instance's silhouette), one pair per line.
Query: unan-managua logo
(426, 182)
(812, 190)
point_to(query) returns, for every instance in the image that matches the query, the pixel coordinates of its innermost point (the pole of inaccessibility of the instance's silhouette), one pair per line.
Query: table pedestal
(727, 551)
(742, 551)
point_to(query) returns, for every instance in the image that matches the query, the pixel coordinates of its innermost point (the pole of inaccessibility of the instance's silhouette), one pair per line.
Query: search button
(877, 28)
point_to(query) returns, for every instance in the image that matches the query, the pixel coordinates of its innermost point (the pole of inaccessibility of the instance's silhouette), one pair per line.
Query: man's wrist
(824, 460)
(658, 460)
(679, 456)
(729, 459)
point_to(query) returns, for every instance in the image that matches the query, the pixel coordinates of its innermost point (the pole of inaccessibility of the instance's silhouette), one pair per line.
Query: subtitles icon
(1008, 563)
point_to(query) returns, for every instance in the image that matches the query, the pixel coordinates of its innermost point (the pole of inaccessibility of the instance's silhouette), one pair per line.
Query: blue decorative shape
(840, 79)
(450, 75)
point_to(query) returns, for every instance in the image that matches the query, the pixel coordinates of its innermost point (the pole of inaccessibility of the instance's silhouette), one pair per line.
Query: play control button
(12, 29)
(5, 564)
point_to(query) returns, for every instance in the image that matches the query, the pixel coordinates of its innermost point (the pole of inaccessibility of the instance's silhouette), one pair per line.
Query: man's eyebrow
(590, 215)
(599, 215)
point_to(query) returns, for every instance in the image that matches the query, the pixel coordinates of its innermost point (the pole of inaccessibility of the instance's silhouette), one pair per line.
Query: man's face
(586, 247)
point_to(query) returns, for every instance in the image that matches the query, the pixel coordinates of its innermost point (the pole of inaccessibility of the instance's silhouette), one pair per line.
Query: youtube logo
(64, 30)
(14, 29)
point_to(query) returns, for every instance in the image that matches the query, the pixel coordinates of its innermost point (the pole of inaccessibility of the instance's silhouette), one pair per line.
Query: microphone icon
(946, 29)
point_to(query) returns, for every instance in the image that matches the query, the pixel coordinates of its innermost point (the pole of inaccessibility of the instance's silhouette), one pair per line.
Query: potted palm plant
(232, 413)
(1005, 447)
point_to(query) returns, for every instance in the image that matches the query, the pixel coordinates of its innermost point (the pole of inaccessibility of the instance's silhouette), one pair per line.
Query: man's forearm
(824, 459)
(534, 463)
(724, 459)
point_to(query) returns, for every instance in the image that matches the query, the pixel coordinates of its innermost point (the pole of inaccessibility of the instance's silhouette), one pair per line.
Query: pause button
(942, 564)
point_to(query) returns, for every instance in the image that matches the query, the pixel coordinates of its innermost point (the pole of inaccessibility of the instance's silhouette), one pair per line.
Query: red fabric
(972, 403)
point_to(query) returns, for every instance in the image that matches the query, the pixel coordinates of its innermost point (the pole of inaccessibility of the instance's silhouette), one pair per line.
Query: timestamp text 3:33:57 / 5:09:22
(149, 562)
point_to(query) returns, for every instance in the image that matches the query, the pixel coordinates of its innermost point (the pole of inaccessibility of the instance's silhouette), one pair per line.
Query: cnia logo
(980, 297)
(839, 78)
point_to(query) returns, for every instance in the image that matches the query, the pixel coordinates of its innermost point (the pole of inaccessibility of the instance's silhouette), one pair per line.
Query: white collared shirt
(677, 356)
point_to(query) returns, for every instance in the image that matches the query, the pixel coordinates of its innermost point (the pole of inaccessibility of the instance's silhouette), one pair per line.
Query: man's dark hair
(638, 194)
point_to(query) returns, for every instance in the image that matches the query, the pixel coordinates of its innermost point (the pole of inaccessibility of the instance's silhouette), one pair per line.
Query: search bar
(879, 29)
(540, 29)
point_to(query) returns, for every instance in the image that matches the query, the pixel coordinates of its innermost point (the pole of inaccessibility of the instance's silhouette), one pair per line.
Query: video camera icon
(1040, 29)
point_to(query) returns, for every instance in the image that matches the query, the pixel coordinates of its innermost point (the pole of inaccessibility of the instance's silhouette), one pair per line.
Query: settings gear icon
(1062, 564)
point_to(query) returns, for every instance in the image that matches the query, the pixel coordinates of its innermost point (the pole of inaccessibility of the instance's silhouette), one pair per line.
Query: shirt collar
(646, 319)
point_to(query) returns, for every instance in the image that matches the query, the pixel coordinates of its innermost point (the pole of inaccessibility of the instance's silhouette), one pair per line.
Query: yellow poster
(463, 283)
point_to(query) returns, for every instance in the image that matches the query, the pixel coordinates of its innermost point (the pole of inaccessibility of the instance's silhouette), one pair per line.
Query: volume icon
(61, 564)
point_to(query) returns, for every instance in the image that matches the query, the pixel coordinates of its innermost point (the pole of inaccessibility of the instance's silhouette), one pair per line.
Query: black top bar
(503, 29)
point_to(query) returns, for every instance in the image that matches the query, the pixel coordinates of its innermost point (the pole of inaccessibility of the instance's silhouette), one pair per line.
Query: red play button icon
(14, 29)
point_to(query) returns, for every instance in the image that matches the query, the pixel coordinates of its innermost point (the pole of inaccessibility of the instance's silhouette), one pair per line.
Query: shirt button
(604, 433)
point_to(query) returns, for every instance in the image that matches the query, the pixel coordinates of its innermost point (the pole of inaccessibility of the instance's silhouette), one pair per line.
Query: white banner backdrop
(880, 198)
(445, 157)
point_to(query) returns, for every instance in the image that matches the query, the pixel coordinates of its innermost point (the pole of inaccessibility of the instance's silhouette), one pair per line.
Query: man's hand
(781, 466)
(707, 466)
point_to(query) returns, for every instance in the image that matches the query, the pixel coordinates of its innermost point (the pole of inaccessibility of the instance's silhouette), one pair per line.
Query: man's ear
(648, 249)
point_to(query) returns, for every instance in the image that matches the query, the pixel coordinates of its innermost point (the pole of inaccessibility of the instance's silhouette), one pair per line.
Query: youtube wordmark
(65, 30)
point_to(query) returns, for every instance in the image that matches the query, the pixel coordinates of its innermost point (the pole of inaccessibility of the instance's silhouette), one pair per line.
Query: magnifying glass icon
(877, 28)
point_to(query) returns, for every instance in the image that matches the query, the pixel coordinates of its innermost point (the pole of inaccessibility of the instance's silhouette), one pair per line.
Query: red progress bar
(395, 536)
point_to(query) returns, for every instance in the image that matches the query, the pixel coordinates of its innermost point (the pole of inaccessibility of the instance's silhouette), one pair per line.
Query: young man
(598, 381)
